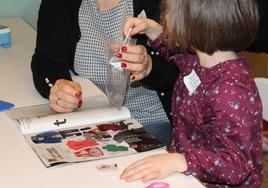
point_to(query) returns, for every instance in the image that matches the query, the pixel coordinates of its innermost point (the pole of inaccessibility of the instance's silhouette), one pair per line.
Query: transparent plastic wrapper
(117, 78)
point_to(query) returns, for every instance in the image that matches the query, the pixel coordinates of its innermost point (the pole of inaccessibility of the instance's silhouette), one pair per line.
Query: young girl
(216, 107)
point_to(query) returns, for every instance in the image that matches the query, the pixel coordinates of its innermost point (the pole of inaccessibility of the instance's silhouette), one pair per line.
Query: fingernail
(123, 65)
(79, 104)
(124, 48)
(78, 94)
(132, 77)
(119, 56)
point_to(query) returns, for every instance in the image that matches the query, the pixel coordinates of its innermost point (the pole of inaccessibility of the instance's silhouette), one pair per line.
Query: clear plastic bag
(117, 78)
(117, 81)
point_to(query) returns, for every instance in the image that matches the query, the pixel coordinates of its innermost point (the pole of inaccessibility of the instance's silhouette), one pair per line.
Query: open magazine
(96, 131)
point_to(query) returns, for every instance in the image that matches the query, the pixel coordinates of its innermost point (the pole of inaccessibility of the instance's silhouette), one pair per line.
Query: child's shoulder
(233, 76)
(236, 70)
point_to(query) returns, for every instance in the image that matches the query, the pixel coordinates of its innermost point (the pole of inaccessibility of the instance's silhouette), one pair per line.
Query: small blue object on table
(5, 37)
(5, 105)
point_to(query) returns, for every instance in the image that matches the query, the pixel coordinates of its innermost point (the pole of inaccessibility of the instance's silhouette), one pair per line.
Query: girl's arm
(162, 61)
(143, 26)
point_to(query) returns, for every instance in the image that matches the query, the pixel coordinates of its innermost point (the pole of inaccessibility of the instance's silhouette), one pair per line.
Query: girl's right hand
(65, 96)
(155, 167)
(143, 26)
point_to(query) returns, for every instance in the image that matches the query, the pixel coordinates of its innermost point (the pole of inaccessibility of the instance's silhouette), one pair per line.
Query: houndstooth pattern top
(91, 56)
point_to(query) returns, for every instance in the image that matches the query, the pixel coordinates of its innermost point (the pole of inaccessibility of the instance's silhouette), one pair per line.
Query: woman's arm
(52, 57)
(57, 35)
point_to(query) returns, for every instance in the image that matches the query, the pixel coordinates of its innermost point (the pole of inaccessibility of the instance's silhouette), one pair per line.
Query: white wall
(27, 9)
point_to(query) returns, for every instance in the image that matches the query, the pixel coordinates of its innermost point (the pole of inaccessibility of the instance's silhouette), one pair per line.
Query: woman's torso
(91, 56)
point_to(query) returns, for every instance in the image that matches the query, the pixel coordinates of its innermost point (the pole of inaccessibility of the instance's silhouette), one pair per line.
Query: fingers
(135, 54)
(65, 96)
(142, 170)
(59, 105)
(133, 166)
(135, 171)
(114, 47)
(134, 58)
(150, 176)
(134, 49)
(69, 87)
(143, 26)
(136, 24)
(136, 76)
(137, 61)
(155, 167)
(146, 174)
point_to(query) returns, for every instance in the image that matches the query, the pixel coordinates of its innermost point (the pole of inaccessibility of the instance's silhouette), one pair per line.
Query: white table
(19, 166)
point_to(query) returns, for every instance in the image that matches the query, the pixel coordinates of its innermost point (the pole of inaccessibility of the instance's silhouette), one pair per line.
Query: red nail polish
(79, 104)
(124, 48)
(119, 56)
(133, 78)
(78, 94)
(123, 65)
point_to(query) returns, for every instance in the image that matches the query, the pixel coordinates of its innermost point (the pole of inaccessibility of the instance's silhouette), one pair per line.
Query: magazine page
(41, 118)
(92, 142)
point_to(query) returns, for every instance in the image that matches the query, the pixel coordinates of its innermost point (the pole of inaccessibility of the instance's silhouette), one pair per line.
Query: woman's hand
(136, 60)
(155, 167)
(65, 96)
(143, 26)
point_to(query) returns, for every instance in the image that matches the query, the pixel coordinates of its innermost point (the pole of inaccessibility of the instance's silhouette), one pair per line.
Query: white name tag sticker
(191, 81)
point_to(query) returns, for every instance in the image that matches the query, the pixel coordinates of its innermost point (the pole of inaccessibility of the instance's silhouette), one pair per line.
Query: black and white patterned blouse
(91, 56)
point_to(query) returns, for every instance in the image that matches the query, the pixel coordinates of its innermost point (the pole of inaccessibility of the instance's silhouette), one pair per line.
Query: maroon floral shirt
(218, 127)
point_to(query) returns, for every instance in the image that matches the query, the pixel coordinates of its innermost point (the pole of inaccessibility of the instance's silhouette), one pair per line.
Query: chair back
(262, 85)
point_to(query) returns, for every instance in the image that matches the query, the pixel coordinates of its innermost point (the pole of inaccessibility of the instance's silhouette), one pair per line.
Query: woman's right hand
(136, 60)
(65, 96)
(143, 26)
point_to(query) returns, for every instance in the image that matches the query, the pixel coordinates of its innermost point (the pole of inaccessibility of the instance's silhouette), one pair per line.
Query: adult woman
(73, 35)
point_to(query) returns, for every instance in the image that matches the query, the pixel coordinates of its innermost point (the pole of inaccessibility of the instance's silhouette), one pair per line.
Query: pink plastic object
(158, 185)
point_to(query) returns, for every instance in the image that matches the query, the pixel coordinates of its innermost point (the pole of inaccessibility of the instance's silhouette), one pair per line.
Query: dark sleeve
(162, 78)
(163, 75)
(260, 44)
(50, 59)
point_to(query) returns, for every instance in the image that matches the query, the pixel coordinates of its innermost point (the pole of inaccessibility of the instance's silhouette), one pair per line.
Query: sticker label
(191, 82)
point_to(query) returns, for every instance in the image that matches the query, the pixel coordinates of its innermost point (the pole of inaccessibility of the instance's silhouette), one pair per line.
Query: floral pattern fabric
(218, 127)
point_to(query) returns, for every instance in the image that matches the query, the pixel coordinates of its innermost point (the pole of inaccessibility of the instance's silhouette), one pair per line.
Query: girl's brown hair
(211, 25)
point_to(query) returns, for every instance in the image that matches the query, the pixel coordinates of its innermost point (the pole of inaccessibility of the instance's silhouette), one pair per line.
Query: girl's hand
(155, 167)
(136, 60)
(143, 26)
(65, 96)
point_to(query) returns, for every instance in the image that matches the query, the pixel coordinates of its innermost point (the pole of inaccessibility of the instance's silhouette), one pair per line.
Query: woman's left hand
(136, 60)
(155, 167)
